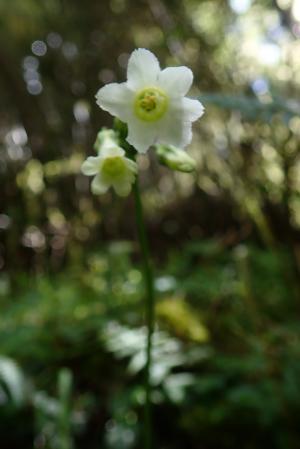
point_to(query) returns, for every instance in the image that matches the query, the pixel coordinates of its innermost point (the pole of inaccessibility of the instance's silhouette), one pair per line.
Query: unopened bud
(106, 137)
(175, 158)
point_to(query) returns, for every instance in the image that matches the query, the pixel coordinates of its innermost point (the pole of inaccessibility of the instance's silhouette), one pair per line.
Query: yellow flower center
(113, 167)
(150, 104)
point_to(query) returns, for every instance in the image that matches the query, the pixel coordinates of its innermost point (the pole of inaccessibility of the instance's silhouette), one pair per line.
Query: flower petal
(122, 188)
(175, 80)
(116, 99)
(131, 165)
(143, 69)
(98, 187)
(193, 109)
(141, 135)
(91, 166)
(112, 151)
(176, 133)
(175, 128)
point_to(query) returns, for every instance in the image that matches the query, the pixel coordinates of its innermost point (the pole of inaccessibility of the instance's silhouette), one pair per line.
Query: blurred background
(225, 241)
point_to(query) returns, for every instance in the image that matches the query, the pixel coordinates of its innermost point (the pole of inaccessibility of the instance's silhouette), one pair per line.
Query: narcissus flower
(111, 169)
(152, 102)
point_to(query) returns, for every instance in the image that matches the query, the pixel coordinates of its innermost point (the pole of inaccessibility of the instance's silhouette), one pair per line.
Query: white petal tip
(139, 148)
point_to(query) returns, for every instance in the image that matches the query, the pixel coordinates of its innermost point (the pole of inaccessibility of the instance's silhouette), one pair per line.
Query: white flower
(152, 102)
(111, 169)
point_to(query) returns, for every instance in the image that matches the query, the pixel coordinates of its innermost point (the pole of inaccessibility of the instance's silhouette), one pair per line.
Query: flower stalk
(150, 309)
(150, 108)
(121, 130)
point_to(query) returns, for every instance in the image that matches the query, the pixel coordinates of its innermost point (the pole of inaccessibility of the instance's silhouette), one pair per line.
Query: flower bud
(106, 138)
(175, 158)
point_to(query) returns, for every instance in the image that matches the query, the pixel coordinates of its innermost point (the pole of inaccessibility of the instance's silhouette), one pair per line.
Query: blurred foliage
(226, 352)
(225, 240)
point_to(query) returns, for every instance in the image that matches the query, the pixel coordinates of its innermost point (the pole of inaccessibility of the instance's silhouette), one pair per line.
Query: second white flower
(111, 169)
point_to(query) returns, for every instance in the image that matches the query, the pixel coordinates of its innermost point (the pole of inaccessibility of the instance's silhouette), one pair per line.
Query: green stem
(121, 129)
(150, 312)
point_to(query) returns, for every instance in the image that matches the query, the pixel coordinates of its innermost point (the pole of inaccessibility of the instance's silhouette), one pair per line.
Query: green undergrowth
(226, 352)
